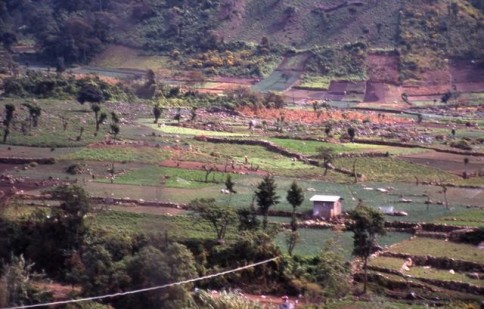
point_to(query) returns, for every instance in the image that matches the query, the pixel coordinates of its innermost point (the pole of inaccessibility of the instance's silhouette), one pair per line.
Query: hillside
(423, 35)
(307, 23)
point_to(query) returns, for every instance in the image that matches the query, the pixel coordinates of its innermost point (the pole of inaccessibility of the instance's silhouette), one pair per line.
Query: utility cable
(145, 289)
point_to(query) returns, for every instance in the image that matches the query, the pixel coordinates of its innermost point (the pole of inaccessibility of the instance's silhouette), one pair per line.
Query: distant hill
(422, 33)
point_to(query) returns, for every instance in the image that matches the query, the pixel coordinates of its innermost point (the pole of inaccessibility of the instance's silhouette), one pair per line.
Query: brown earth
(383, 68)
(453, 163)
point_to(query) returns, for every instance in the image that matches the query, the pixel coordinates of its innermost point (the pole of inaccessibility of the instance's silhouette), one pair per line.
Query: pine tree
(266, 197)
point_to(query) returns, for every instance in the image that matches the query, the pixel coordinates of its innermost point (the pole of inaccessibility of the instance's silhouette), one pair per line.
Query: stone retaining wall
(428, 227)
(450, 285)
(439, 262)
(27, 160)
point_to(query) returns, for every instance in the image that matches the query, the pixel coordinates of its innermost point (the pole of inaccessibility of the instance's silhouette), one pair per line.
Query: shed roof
(325, 198)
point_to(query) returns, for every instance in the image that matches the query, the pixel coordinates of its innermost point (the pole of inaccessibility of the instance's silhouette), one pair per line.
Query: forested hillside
(77, 30)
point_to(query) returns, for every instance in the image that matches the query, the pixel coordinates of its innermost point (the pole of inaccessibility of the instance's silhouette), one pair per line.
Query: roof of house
(325, 198)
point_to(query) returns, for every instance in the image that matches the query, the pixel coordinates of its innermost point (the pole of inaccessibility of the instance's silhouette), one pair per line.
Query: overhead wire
(159, 287)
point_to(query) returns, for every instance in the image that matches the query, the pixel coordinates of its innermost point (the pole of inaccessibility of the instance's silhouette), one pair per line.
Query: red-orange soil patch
(311, 117)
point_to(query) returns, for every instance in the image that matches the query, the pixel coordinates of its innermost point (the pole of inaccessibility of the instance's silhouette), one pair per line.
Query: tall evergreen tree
(266, 197)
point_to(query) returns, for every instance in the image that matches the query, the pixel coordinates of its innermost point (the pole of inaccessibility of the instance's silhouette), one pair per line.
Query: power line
(145, 289)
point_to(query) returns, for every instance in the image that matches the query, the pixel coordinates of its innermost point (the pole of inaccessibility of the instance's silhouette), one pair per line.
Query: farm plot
(51, 131)
(312, 241)
(464, 218)
(169, 178)
(312, 147)
(452, 163)
(169, 129)
(278, 81)
(180, 227)
(423, 272)
(394, 170)
(439, 248)
(118, 154)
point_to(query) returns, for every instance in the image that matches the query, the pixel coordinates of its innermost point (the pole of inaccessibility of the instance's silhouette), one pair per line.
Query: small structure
(327, 206)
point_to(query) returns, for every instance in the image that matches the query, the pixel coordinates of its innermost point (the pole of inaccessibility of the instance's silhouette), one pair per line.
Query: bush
(462, 144)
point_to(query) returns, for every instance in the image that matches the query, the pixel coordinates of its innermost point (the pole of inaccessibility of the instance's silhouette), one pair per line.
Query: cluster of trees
(60, 244)
(243, 96)
(40, 85)
(74, 33)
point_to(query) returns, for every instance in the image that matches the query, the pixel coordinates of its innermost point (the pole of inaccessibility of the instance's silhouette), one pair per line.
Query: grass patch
(316, 82)
(129, 58)
(50, 131)
(118, 154)
(176, 227)
(168, 129)
(311, 147)
(393, 170)
(473, 217)
(440, 248)
(168, 177)
(313, 240)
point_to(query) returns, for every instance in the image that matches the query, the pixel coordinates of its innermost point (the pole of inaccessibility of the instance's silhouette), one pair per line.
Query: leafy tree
(114, 125)
(352, 133)
(90, 93)
(219, 217)
(153, 267)
(327, 154)
(8, 39)
(100, 121)
(292, 239)
(446, 97)
(229, 184)
(156, 113)
(193, 113)
(366, 224)
(7, 120)
(73, 208)
(16, 284)
(328, 129)
(177, 116)
(331, 270)
(96, 109)
(34, 113)
(96, 275)
(466, 162)
(266, 197)
(248, 220)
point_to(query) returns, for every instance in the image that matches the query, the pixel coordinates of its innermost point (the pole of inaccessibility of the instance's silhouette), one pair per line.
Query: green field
(440, 248)
(312, 241)
(50, 131)
(473, 217)
(312, 147)
(394, 170)
(169, 177)
(422, 272)
(121, 154)
(169, 129)
(315, 82)
(175, 227)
